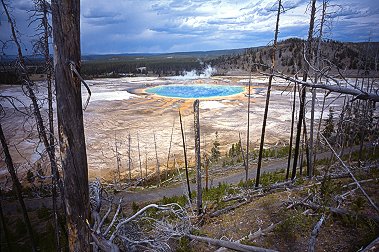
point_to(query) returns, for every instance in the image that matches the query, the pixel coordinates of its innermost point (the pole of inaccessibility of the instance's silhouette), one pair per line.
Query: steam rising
(207, 72)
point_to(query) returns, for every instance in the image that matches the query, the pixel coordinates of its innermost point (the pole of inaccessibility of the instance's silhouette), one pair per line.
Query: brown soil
(348, 233)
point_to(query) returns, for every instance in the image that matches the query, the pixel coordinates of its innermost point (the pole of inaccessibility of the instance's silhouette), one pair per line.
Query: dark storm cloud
(119, 26)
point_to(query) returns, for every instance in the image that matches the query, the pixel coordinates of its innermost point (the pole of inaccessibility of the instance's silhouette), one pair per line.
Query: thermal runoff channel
(195, 91)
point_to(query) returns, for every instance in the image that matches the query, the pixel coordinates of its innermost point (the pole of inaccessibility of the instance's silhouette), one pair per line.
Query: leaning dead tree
(334, 85)
(42, 132)
(66, 31)
(351, 174)
(273, 52)
(185, 157)
(18, 188)
(199, 201)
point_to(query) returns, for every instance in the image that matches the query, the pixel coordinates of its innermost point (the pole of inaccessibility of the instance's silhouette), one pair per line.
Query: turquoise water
(195, 91)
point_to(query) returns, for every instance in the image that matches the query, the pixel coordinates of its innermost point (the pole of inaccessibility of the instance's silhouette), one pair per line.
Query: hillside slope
(350, 58)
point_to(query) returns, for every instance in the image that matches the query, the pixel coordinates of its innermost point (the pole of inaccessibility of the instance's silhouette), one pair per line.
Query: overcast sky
(151, 26)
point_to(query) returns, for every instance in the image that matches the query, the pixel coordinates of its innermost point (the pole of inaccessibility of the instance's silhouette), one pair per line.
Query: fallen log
(339, 211)
(228, 244)
(314, 234)
(227, 209)
(262, 232)
(373, 246)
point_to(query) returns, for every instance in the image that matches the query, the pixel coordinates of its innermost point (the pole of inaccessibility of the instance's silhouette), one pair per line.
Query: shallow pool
(195, 91)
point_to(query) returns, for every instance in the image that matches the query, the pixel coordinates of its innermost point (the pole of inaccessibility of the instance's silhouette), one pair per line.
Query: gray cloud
(119, 26)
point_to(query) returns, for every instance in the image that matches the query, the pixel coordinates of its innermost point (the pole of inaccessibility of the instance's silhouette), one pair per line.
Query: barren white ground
(119, 107)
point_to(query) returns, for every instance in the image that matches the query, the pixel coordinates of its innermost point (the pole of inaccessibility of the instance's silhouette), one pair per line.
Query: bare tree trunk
(129, 159)
(169, 148)
(312, 153)
(206, 163)
(248, 132)
(197, 157)
(362, 133)
(314, 234)
(306, 144)
(241, 149)
(301, 157)
(40, 124)
(42, 7)
(156, 156)
(338, 88)
(146, 164)
(319, 128)
(185, 157)
(5, 228)
(117, 161)
(17, 187)
(66, 29)
(303, 89)
(139, 156)
(206, 166)
(273, 51)
(228, 244)
(291, 137)
(311, 145)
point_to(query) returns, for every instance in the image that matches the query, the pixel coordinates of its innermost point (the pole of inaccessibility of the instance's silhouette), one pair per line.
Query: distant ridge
(199, 54)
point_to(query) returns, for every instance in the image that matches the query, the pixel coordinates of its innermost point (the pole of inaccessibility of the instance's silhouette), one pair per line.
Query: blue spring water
(195, 91)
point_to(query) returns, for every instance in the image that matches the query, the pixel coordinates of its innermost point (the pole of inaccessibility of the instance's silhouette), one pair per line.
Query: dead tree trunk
(139, 156)
(241, 149)
(311, 144)
(54, 168)
(156, 157)
(291, 137)
(66, 31)
(42, 9)
(197, 157)
(17, 186)
(306, 143)
(206, 164)
(30, 93)
(273, 51)
(317, 60)
(118, 160)
(248, 132)
(206, 167)
(185, 156)
(169, 148)
(303, 89)
(319, 128)
(228, 244)
(5, 228)
(146, 164)
(129, 159)
(314, 234)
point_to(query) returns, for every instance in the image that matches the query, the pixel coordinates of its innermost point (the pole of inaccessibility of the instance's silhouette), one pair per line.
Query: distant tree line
(289, 54)
(159, 67)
